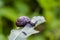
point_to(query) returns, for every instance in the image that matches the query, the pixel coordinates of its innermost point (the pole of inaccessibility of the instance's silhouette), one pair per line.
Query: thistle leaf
(28, 30)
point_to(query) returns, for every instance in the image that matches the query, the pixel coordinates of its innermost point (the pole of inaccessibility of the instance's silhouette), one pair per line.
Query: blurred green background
(10, 10)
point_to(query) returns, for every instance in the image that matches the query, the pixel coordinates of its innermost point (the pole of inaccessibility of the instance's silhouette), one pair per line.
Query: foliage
(10, 10)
